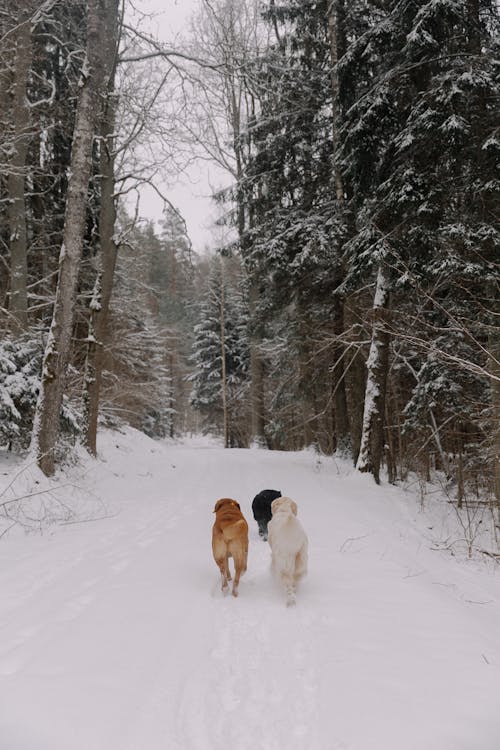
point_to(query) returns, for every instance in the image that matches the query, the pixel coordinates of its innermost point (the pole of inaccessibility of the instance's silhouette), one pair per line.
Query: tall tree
(21, 43)
(230, 34)
(294, 188)
(419, 95)
(221, 357)
(57, 351)
(107, 244)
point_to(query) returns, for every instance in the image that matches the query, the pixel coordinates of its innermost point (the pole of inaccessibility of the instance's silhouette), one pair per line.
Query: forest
(350, 301)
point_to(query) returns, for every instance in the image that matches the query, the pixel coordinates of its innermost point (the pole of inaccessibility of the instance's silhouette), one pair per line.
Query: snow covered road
(114, 634)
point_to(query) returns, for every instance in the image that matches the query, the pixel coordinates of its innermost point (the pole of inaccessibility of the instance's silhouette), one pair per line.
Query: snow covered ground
(114, 634)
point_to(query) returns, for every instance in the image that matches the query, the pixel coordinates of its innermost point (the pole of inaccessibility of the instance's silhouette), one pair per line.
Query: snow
(114, 634)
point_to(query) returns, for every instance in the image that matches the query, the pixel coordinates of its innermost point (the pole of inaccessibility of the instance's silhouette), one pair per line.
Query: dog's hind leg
(289, 583)
(240, 566)
(228, 570)
(221, 560)
(220, 553)
(301, 563)
(239, 569)
(236, 581)
(290, 593)
(223, 573)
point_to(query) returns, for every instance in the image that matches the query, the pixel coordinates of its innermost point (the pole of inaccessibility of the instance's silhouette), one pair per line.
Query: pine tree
(221, 357)
(420, 91)
(293, 246)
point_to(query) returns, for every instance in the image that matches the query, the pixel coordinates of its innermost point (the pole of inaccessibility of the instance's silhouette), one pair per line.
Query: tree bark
(494, 351)
(342, 428)
(22, 59)
(225, 415)
(57, 351)
(475, 40)
(99, 313)
(256, 377)
(356, 375)
(334, 34)
(372, 438)
(256, 364)
(474, 27)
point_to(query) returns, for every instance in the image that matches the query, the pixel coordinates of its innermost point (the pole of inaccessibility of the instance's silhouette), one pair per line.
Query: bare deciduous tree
(104, 283)
(57, 351)
(372, 437)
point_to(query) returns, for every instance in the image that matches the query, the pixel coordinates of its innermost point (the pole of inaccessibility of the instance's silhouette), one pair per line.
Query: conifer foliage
(409, 246)
(221, 355)
(355, 305)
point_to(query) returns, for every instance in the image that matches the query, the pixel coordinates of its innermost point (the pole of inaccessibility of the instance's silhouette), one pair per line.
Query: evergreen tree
(293, 245)
(419, 92)
(221, 357)
(137, 382)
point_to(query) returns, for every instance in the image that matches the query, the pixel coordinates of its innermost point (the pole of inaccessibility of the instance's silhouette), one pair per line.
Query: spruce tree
(418, 145)
(221, 357)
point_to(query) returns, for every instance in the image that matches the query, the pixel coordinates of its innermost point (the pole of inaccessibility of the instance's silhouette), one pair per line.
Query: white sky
(191, 194)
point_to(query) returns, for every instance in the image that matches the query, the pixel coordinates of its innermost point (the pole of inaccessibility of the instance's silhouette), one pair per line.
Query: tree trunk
(334, 35)
(493, 288)
(257, 395)
(372, 438)
(256, 378)
(225, 415)
(22, 59)
(57, 351)
(256, 365)
(390, 453)
(306, 385)
(494, 351)
(99, 314)
(474, 27)
(342, 429)
(355, 376)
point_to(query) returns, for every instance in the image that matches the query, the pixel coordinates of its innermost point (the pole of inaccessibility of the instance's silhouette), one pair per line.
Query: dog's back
(229, 519)
(288, 542)
(230, 539)
(286, 532)
(287, 537)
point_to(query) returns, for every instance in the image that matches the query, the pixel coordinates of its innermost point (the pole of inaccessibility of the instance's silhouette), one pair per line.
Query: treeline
(92, 326)
(355, 305)
(366, 151)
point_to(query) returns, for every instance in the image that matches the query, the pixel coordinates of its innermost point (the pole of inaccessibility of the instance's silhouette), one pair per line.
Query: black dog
(261, 508)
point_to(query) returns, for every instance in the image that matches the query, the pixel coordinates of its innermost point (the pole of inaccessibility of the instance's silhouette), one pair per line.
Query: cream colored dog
(288, 542)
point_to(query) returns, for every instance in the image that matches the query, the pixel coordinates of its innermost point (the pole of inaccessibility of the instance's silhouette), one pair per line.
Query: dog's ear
(239, 508)
(275, 504)
(294, 507)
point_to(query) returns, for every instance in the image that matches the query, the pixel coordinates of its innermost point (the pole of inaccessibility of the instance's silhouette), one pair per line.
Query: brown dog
(230, 539)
